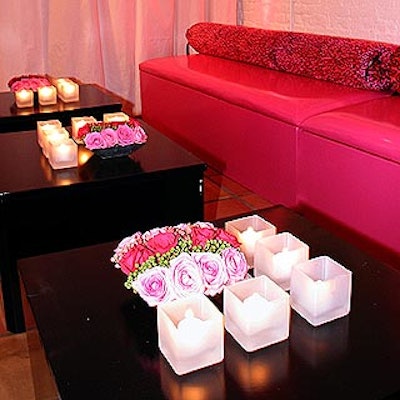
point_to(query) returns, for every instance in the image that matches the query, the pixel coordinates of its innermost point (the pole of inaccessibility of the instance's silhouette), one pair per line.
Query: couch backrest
(357, 63)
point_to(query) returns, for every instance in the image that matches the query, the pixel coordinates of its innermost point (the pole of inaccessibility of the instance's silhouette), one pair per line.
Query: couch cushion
(357, 63)
(287, 97)
(373, 127)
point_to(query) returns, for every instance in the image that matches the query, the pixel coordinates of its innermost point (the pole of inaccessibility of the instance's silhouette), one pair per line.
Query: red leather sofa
(308, 121)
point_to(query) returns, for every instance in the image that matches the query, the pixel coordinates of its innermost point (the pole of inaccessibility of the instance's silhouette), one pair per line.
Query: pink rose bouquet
(168, 263)
(28, 82)
(104, 135)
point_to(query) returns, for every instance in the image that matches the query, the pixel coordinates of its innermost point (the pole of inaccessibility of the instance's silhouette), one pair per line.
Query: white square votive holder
(190, 333)
(115, 117)
(24, 98)
(247, 231)
(79, 122)
(47, 95)
(276, 255)
(62, 153)
(320, 290)
(46, 126)
(257, 312)
(68, 90)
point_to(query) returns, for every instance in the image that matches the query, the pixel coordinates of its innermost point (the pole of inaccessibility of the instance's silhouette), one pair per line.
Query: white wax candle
(192, 332)
(47, 95)
(283, 263)
(24, 98)
(68, 91)
(248, 238)
(256, 310)
(63, 152)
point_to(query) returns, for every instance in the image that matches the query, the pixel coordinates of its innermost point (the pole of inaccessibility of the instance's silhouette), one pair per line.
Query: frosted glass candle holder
(79, 122)
(276, 255)
(47, 95)
(24, 98)
(62, 153)
(320, 290)
(190, 333)
(115, 117)
(247, 231)
(45, 126)
(55, 136)
(68, 91)
(257, 313)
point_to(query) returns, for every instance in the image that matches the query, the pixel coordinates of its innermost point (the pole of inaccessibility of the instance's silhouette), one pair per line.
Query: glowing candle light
(77, 123)
(44, 126)
(276, 255)
(24, 98)
(248, 231)
(68, 91)
(190, 333)
(62, 153)
(257, 312)
(320, 290)
(47, 95)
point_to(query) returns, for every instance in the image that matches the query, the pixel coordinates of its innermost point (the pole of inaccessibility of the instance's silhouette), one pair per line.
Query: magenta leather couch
(285, 115)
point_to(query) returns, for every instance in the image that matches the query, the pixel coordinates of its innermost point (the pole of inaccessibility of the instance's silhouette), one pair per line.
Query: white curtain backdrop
(98, 41)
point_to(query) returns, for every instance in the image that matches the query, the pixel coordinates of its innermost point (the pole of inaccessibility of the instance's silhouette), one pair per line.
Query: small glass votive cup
(276, 255)
(320, 290)
(190, 333)
(248, 230)
(257, 313)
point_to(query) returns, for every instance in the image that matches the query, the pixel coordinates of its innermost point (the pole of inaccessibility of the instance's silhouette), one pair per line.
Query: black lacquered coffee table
(44, 210)
(101, 341)
(92, 102)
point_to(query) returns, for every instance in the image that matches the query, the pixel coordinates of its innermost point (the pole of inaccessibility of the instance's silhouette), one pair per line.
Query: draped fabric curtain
(98, 41)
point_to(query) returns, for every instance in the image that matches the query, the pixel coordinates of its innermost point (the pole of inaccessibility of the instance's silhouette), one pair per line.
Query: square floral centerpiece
(164, 264)
(112, 139)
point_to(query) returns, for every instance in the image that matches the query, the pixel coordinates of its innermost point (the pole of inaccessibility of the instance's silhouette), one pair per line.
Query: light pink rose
(153, 286)
(235, 265)
(125, 135)
(94, 140)
(185, 276)
(140, 135)
(212, 269)
(110, 137)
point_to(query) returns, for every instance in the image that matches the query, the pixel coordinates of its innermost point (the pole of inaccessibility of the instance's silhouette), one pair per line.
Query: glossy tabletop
(92, 102)
(44, 210)
(101, 340)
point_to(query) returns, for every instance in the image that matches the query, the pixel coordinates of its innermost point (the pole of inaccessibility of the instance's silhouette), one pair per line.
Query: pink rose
(212, 269)
(136, 255)
(110, 137)
(125, 135)
(185, 276)
(94, 140)
(153, 286)
(162, 241)
(236, 266)
(201, 233)
(140, 136)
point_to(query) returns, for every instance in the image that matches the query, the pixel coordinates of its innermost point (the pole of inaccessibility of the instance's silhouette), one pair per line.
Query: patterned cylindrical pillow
(357, 63)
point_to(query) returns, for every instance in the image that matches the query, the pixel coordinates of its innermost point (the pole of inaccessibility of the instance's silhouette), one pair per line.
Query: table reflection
(204, 384)
(258, 371)
(319, 346)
